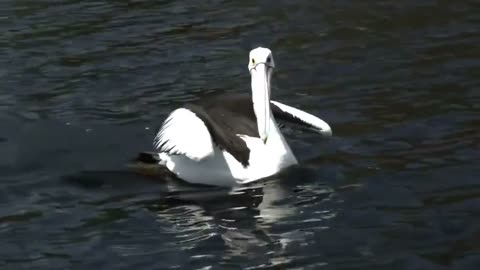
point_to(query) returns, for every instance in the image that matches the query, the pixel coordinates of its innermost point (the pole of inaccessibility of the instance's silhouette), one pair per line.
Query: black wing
(226, 116)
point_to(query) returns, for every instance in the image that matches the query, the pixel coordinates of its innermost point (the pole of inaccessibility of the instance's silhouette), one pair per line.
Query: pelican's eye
(253, 61)
(269, 59)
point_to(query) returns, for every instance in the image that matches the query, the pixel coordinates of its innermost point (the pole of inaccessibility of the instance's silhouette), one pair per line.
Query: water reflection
(242, 222)
(243, 218)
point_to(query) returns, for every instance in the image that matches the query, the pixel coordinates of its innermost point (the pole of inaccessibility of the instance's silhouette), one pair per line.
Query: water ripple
(84, 84)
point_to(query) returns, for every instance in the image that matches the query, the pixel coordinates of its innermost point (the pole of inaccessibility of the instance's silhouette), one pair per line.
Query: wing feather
(184, 133)
(291, 114)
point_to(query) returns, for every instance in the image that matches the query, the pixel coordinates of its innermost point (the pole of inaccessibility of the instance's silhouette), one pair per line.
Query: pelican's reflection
(261, 220)
(245, 218)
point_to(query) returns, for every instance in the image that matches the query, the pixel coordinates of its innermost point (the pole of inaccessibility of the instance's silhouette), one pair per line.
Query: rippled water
(84, 84)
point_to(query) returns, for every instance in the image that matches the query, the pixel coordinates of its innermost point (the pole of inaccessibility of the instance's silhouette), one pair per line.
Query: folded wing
(184, 133)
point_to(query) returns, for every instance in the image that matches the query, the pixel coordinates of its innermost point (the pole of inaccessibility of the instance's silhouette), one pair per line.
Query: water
(84, 85)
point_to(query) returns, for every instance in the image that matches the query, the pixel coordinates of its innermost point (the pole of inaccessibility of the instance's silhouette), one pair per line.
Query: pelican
(232, 139)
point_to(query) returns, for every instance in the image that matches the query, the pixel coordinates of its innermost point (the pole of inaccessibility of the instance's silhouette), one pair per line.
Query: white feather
(186, 134)
(321, 126)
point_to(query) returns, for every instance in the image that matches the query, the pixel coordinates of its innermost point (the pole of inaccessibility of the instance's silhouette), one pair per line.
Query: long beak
(261, 99)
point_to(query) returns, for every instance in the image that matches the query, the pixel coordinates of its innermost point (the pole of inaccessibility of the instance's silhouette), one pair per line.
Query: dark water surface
(84, 84)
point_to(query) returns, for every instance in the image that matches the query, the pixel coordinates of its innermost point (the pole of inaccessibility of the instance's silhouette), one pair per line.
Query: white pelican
(232, 139)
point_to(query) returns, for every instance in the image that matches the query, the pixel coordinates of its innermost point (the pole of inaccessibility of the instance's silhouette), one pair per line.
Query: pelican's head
(260, 56)
(261, 67)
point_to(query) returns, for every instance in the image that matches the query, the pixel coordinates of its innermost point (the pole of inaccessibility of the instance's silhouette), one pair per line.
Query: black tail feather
(148, 157)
